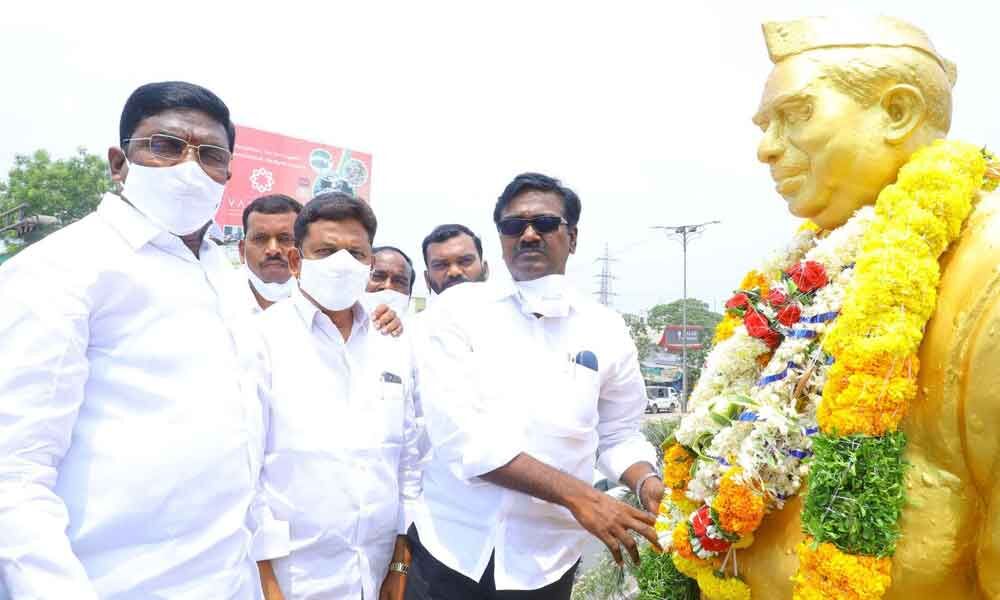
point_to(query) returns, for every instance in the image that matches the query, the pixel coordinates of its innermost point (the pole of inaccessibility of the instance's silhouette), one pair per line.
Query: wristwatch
(399, 567)
(642, 480)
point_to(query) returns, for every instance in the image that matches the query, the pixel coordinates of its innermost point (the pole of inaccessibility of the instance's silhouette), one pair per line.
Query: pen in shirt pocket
(587, 359)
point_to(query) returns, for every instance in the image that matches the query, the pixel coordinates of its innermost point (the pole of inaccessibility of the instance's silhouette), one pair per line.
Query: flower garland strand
(771, 384)
(856, 492)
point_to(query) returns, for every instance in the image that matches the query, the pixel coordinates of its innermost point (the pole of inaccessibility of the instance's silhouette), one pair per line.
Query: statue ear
(905, 110)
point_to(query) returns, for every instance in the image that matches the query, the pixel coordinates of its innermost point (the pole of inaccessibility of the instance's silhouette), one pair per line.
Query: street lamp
(683, 232)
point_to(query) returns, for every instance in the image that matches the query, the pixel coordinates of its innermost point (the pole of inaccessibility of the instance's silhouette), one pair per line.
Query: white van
(662, 398)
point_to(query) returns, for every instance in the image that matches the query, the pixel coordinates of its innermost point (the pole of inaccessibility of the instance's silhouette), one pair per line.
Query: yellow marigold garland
(875, 341)
(826, 573)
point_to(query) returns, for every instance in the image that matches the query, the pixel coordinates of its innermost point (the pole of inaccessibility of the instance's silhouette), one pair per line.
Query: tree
(698, 313)
(67, 189)
(639, 330)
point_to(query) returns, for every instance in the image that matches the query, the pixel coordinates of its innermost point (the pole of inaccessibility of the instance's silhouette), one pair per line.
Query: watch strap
(399, 567)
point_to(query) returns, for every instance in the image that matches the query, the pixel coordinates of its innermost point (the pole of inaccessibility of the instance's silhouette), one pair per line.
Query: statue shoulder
(974, 259)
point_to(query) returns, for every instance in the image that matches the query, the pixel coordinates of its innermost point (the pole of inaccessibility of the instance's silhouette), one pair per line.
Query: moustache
(455, 281)
(525, 249)
(274, 261)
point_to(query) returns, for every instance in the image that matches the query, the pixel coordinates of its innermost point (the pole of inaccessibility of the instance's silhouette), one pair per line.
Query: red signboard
(270, 163)
(675, 337)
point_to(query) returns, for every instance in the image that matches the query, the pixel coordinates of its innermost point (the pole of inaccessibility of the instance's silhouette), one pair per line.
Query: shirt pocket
(568, 407)
(392, 408)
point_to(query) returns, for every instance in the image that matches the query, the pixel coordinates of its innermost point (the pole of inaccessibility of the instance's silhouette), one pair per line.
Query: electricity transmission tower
(604, 292)
(684, 233)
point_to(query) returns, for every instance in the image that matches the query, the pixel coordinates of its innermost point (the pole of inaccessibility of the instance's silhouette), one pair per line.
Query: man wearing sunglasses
(131, 431)
(524, 385)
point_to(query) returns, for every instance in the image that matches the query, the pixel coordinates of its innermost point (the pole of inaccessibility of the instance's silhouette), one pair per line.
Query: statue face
(828, 154)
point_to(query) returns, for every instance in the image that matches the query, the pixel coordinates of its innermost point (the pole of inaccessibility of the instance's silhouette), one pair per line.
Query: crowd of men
(172, 429)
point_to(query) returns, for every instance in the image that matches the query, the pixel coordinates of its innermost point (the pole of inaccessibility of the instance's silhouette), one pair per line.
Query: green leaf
(856, 493)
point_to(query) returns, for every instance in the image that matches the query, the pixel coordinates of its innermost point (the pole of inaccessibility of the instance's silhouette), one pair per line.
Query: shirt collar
(309, 312)
(506, 289)
(132, 225)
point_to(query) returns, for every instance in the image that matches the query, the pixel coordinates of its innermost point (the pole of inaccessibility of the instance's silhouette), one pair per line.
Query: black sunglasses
(542, 224)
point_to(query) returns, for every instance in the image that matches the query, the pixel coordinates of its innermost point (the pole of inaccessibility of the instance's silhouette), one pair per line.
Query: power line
(684, 233)
(604, 293)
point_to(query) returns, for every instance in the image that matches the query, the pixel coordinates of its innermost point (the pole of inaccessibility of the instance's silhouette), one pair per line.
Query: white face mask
(547, 296)
(335, 282)
(391, 298)
(272, 292)
(179, 199)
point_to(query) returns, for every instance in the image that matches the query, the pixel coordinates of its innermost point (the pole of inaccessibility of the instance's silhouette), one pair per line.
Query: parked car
(669, 401)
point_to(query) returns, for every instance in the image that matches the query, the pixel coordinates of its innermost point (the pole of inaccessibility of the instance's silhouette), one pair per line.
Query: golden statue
(845, 106)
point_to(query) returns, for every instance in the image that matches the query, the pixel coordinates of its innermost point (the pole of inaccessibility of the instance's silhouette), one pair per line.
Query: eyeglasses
(542, 224)
(214, 159)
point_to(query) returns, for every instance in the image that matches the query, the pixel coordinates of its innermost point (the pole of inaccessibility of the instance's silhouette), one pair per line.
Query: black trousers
(428, 579)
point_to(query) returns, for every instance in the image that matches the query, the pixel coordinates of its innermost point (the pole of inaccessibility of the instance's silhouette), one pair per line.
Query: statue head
(845, 106)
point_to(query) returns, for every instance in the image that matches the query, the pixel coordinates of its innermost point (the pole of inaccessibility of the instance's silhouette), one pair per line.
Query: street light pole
(684, 232)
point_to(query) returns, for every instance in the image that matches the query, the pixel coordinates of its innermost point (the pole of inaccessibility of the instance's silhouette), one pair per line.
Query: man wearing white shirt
(453, 254)
(268, 235)
(268, 226)
(131, 432)
(341, 464)
(524, 384)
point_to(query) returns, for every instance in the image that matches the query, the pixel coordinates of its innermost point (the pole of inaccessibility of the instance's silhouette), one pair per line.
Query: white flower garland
(753, 417)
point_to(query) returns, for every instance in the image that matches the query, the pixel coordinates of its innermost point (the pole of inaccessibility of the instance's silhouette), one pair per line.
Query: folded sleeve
(620, 407)
(271, 537)
(45, 333)
(467, 425)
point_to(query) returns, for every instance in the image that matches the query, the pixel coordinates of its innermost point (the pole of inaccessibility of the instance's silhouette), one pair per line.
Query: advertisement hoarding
(675, 337)
(271, 163)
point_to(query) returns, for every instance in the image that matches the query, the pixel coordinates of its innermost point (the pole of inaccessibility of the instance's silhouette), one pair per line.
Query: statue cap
(787, 38)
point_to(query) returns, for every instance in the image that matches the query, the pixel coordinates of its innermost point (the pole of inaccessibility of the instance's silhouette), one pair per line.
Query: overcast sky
(642, 107)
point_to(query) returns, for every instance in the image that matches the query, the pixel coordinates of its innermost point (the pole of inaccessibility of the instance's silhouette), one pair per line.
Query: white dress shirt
(497, 381)
(131, 431)
(341, 464)
(243, 293)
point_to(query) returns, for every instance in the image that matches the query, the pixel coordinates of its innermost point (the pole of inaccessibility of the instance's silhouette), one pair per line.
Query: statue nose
(770, 148)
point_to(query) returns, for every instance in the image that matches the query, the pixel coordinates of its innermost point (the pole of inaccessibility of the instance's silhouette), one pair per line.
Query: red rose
(712, 544)
(701, 520)
(699, 523)
(807, 276)
(777, 298)
(758, 327)
(789, 315)
(738, 301)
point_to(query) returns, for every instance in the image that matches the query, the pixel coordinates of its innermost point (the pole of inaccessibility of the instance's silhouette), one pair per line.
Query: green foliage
(67, 189)
(856, 492)
(639, 330)
(604, 581)
(658, 431)
(659, 579)
(698, 313)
